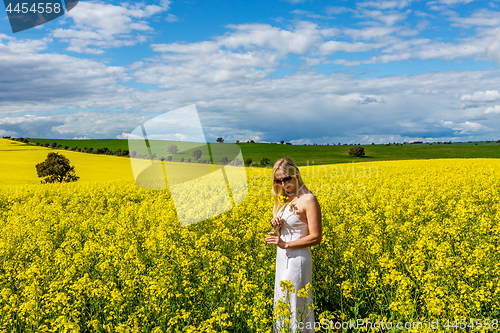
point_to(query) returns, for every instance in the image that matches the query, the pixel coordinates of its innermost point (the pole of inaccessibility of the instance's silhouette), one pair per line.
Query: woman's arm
(313, 213)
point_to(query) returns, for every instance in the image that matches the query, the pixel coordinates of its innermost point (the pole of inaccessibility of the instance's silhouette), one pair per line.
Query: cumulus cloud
(482, 18)
(388, 4)
(98, 26)
(480, 96)
(493, 110)
(246, 81)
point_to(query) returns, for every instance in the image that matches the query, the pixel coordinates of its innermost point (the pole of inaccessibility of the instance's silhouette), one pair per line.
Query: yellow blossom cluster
(402, 240)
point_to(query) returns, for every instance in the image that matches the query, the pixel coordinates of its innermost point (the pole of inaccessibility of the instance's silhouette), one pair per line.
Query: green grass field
(316, 154)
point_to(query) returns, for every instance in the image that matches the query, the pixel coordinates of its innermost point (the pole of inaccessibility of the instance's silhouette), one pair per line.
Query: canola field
(403, 241)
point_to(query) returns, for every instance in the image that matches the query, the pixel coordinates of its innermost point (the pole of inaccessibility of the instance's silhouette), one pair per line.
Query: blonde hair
(287, 166)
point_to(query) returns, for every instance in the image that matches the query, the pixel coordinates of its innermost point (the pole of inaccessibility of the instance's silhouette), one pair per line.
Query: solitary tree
(172, 149)
(357, 151)
(264, 161)
(248, 161)
(224, 160)
(221, 140)
(197, 154)
(56, 168)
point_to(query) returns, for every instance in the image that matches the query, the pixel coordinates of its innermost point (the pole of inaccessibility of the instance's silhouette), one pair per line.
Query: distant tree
(188, 160)
(46, 145)
(118, 152)
(282, 142)
(162, 158)
(264, 161)
(56, 169)
(133, 153)
(172, 149)
(221, 140)
(197, 154)
(224, 160)
(169, 158)
(288, 143)
(237, 141)
(357, 151)
(251, 141)
(182, 159)
(125, 153)
(248, 161)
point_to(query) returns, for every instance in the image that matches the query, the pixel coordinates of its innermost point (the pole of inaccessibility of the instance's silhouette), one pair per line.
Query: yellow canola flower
(412, 240)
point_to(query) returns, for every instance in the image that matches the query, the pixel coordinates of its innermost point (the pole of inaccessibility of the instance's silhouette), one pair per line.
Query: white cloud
(369, 33)
(388, 18)
(27, 45)
(335, 46)
(493, 110)
(193, 48)
(307, 13)
(334, 10)
(387, 4)
(480, 96)
(33, 82)
(471, 128)
(97, 25)
(482, 18)
(171, 18)
(452, 2)
(255, 76)
(301, 40)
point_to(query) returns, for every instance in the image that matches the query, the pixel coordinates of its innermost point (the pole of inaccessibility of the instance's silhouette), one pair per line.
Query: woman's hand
(276, 239)
(277, 221)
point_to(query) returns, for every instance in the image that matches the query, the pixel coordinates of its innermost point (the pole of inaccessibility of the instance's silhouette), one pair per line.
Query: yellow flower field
(407, 241)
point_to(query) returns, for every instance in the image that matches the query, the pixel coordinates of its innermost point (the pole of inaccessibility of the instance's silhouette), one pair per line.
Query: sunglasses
(282, 179)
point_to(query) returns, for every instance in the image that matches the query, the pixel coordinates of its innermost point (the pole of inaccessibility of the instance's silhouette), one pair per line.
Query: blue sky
(301, 71)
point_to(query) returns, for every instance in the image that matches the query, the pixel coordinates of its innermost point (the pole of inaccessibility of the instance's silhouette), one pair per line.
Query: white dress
(294, 265)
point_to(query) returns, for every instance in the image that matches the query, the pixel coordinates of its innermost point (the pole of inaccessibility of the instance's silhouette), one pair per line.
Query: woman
(297, 225)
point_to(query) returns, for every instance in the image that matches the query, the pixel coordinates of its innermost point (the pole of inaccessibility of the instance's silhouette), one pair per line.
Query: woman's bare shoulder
(309, 199)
